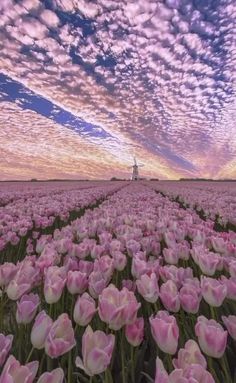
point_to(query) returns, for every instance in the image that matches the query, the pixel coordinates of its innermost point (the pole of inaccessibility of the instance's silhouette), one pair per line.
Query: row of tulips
(41, 212)
(146, 295)
(213, 200)
(12, 191)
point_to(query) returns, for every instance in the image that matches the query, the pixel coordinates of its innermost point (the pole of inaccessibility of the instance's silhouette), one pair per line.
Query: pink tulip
(104, 265)
(55, 280)
(63, 245)
(213, 291)
(165, 331)
(23, 280)
(15, 290)
(183, 275)
(105, 239)
(169, 239)
(177, 274)
(13, 372)
(194, 283)
(47, 258)
(208, 263)
(198, 373)
(120, 260)
(117, 308)
(97, 348)
(7, 272)
(82, 250)
(14, 239)
(77, 282)
(55, 376)
(218, 244)
(132, 247)
(189, 299)
(232, 268)
(230, 324)
(211, 337)
(194, 373)
(40, 330)
(70, 264)
(129, 284)
(138, 267)
(97, 283)
(146, 243)
(61, 338)
(97, 251)
(183, 250)
(188, 355)
(153, 265)
(115, 246)
(84, 309)
(135, 332)
(26, 308)
(171, 256)
(230, 283)
(148, 287)
(86, 267)
(5, 346)
(161, 373)
(169, 296)
(155, 248)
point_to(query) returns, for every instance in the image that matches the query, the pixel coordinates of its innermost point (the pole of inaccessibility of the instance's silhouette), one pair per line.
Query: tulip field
(118, 282)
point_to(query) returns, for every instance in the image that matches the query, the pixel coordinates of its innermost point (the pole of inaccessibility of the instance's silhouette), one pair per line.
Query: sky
(86, 85)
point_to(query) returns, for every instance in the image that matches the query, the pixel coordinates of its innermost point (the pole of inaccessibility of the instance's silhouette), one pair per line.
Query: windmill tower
(135, 174)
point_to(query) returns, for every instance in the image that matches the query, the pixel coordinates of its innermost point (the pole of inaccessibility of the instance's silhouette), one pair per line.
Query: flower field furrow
(135, 290)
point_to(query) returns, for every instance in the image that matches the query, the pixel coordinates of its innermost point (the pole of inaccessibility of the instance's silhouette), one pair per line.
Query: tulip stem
(122, 357)
(41, 364)
(213, 313)
(51, 310)
(30, 354)
(212, 370)
(72, 307)
(225, 368)
(49, 364)
(69, 368)
(132, 365)
(156, 307)
(107, 379)
(169, 363)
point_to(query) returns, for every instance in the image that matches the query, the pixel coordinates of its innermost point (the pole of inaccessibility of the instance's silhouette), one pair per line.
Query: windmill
(135, 166)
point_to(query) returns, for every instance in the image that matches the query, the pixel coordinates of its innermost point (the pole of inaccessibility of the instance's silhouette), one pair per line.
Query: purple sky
(87, 85)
